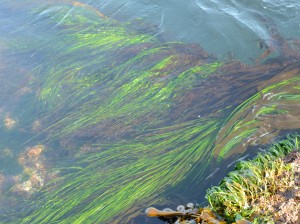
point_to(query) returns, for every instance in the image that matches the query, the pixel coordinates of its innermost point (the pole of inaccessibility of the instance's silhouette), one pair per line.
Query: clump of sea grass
(240, 191)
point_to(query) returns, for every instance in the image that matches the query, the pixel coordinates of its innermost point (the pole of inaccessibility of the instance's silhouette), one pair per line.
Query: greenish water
(104, 115)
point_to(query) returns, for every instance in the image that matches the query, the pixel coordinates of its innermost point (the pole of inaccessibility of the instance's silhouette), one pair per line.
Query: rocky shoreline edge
(265, 189)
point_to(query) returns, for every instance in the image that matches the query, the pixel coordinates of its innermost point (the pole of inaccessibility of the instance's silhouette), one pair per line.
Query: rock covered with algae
(265, 189)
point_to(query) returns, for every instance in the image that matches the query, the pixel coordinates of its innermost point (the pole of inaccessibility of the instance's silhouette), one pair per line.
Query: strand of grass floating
(84, 94)
(252, 179)
(131, 102)
(277, 102)
(108, 184)
(119, 94)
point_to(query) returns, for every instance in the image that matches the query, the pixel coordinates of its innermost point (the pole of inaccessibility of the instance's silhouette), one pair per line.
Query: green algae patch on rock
(253, 184)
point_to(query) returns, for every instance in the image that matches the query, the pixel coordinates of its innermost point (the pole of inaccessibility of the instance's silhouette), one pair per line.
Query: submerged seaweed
(250, 193)
(137, 116)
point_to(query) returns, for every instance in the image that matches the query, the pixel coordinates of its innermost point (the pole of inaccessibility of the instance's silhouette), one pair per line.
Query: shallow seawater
(220, 27)
(109, 107)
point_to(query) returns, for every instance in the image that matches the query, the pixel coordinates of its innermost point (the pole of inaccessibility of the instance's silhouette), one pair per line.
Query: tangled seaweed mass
(126, 116)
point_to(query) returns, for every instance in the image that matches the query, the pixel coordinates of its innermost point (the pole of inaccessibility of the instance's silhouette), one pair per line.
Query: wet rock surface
(286, 205)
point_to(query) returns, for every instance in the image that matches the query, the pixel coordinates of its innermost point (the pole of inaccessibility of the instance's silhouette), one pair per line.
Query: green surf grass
(122, 77)
(129, 80)
(103, 78)
(239, 191)
(248, 122)
(107, 184)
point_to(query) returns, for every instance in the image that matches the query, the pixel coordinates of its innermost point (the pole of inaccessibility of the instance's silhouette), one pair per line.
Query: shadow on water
(102, 120)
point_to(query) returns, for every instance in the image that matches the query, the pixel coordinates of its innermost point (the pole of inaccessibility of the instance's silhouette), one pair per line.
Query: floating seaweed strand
(122, 181)
(262, 116)
(152, 74)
